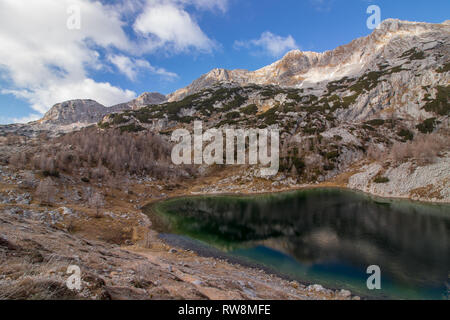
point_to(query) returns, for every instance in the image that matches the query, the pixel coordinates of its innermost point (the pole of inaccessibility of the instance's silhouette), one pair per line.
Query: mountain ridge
(298, 69)
(89, 111)
(295, 67)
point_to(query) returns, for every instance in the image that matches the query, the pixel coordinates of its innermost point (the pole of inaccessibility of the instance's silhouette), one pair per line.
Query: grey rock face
(305, 69)
(403, 57)
(90, 111)
(145, 99)
(83, 111)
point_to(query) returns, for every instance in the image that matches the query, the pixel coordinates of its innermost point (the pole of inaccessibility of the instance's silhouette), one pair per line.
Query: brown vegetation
(46, 190)
(103, 156)
(424, 148)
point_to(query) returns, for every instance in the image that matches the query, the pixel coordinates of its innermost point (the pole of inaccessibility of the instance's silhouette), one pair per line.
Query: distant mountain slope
(145, 99)
(73, 111)
(89, 111)
(400, 70)
(304, 69)
(360, 101)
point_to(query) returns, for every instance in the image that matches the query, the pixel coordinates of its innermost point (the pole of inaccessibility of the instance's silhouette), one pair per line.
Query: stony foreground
(119, 255)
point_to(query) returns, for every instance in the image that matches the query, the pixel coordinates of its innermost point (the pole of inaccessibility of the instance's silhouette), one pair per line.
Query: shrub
(299, 164)
(440, 105)
(381, 179)
(406, 134)
(118, 118)
(332, 155)
(270, 117)
(348, 101)
(294, 96)
(375, 122)
(233, 115)
(236, 103)
(428, 125)
(131, 128)
(250, 110)
(367, 127)
(444, 68)
(413, 54)
(53, 173)
(186, 119)
(103, 125)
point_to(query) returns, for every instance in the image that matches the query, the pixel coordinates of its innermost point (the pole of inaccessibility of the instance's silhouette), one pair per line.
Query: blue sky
(124, 48)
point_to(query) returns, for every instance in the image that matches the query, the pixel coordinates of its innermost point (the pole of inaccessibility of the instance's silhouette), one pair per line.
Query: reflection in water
(331, 232)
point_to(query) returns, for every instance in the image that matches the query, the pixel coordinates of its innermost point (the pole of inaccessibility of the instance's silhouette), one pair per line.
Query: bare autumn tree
(97, 201)
(109, 153)
(45, 190)
(375, 153)
(28, 179)
(425, 148)
(13, 139)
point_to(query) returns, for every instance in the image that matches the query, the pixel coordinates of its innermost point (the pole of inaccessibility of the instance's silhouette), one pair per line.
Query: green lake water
(326, 236)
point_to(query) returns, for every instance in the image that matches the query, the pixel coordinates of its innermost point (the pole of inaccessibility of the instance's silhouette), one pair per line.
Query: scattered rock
(197, 283)
(315, 287)
(345, 293)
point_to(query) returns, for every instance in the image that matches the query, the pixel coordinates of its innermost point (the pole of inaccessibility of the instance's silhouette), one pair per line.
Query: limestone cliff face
(396, 69)
(145, 99)
(89, 111)
(384, 46)
(75, 111)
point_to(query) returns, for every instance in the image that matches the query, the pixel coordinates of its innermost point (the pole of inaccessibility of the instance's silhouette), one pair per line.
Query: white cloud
(137, 5)
(44, 62)
(271, 44)
(26, 119)
(221, 5)
(167, 24)
(131, 67)
(42, 98)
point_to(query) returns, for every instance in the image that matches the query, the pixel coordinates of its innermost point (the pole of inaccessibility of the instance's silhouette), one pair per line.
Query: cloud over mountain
(44, 62)
(269, 43)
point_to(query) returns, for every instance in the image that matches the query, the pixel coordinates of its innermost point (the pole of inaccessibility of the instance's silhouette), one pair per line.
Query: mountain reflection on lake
(327, 236)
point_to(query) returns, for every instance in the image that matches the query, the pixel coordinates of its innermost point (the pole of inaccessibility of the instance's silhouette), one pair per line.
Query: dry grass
(141, 278)
(25, 280)
(424, 148)
(426, 192)
(375, 153)
(117, 236)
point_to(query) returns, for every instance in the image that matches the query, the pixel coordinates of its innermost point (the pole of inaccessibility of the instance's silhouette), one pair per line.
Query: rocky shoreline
(120, 255)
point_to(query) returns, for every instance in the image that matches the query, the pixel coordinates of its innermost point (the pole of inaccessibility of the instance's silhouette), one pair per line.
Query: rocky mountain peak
(89, 111)
(74, 111)
(145, 99)
(299, 69)
(392, 54)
